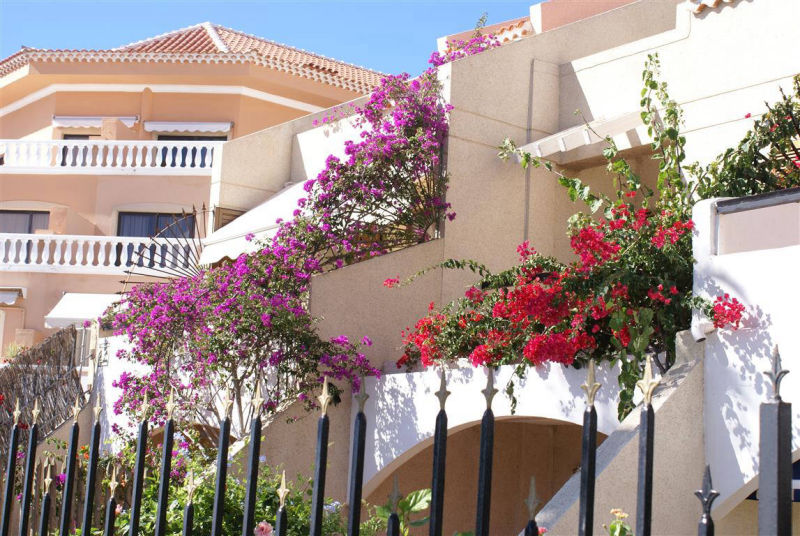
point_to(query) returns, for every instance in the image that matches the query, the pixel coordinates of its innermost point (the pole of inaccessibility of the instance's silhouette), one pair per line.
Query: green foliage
(407, 510)
(766, 159)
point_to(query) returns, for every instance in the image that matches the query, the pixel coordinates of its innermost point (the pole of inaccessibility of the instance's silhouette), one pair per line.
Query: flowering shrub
(627, 294)
(232, 325)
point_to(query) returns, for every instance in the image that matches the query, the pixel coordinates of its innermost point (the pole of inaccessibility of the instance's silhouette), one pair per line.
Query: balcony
(129, 157)
(95, 255)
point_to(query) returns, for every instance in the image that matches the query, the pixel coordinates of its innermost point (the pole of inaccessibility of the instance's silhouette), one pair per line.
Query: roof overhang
(76, 307)
(587, 141)
(231, 240)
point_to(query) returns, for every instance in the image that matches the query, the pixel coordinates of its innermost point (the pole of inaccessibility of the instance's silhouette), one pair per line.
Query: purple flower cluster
(247, 320)
(461, 49)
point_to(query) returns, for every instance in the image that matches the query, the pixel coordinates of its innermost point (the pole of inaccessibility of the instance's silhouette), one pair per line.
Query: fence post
(393, 523)
(188, 510)
(69, 482)
(248, 523)
(111, 506)
(644, 502)
(775, 458)
(166, 467)
(588, 453)
(439, 458)
(11, 466)
(486, 453)
(30, 459)
(222, 467)
(281, 522)
(318, 497)
(357, 463)
(91, 471)
(706, 495)
(45, 514)
(532, 502)
(138, 472)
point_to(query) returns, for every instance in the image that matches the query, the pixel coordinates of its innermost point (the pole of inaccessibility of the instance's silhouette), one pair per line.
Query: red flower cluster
(727, 311)
(590, 245)
(672, 233)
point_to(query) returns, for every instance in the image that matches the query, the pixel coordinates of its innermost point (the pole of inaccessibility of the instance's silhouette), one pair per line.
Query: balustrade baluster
(79, 252)
(4, 249)
(57, 256)
(45, 258)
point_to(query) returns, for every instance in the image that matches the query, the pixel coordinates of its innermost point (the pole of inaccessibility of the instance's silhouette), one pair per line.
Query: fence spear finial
(442, 393)
(648, 384)
(191, 486)
(170, 405)
(283, 491)
(533, 500)
(707, 494)
(776, 374)
(98, 408)
(227, 403)
(36, 411)
(258, 400)
(145, 406)
(112, 485)
(489, 391)
(17, 413)
(76, 409)
(362, 395)
(325, 397)
(591, 386)
(48, 474)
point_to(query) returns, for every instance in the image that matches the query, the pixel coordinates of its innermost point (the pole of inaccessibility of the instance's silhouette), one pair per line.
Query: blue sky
(390, 36)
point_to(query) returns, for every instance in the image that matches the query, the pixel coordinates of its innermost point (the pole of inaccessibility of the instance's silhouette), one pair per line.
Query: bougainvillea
(626, 295)
(246, 322)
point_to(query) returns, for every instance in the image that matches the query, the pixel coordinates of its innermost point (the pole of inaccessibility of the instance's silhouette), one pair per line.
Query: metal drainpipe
(528, 136)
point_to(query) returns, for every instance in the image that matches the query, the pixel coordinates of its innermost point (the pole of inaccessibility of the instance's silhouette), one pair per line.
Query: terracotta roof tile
(213, 43)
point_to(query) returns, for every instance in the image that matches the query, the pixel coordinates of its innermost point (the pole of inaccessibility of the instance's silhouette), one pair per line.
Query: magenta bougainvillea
(247, 322)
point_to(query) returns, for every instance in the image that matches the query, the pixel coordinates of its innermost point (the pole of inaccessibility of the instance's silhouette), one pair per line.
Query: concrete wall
(765, 281)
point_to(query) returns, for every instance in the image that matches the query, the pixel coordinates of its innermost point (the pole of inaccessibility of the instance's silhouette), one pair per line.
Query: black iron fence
(775, 493)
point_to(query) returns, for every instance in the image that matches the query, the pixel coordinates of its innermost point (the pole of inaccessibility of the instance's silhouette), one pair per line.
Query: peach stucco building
(99, 149)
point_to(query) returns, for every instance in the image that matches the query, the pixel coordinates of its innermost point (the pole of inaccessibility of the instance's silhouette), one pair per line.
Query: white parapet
(99, 255)
(402, 408)
(107, 157)
(747, 248)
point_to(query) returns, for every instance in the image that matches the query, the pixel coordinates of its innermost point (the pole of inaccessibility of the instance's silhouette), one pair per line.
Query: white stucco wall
(766, 281)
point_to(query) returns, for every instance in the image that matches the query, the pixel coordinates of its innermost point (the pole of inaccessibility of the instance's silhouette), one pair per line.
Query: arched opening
(548, 449)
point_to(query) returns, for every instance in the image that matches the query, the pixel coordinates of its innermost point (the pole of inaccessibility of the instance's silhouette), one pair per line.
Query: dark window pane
(136, 224)
(23, 221)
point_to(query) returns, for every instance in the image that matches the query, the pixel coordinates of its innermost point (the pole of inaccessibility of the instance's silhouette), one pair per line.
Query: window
(23, 221)
(152, 223)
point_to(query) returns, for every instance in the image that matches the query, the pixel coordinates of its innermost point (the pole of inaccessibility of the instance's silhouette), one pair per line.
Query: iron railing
(774, 493)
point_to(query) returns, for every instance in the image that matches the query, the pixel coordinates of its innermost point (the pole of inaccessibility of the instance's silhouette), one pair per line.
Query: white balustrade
(127, 157)
(95, 254)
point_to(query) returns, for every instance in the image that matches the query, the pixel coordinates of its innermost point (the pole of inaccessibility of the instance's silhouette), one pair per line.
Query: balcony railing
(100, 255)
(132, 157)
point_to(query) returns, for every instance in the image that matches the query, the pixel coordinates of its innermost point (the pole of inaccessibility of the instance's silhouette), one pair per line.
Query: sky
(391, 36)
